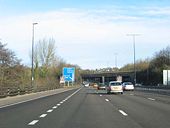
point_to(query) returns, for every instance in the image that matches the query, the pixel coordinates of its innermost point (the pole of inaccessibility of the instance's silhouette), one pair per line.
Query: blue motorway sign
(69, 73)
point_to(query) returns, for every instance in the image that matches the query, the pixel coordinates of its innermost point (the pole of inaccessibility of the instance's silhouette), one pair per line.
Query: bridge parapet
(106, 77)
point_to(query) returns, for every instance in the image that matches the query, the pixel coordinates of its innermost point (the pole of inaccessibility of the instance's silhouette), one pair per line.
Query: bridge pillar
(103, 79)
(119, 78)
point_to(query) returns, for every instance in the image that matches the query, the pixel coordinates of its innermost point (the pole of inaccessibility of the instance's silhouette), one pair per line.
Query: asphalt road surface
(89, 108)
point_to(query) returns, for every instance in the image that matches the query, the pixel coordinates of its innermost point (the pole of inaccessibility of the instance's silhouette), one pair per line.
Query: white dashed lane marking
(54, 107)
(43, 115)
(123, 113)
(107, 100)
(50, 110)
(100, 95)
(151, 99)
(33, 122)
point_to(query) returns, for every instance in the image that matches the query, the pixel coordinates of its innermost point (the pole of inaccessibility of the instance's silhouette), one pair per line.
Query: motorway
(89, 108)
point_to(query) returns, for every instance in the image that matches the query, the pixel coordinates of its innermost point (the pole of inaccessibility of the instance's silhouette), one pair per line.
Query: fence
(13, 91)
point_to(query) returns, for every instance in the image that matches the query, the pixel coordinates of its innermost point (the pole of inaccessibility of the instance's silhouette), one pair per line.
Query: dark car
(101, 86)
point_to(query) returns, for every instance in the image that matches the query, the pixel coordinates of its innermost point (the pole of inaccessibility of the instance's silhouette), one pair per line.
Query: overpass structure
(108, 76)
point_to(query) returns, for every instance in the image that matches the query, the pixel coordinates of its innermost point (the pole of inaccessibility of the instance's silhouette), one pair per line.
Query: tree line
(150, 71)
(12, 72)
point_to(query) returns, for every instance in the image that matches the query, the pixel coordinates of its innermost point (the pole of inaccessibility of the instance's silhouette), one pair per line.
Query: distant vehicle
(114, 87)
(95, 85)
(101, 86)
(128, 86)
(86, 84)
(138, 84)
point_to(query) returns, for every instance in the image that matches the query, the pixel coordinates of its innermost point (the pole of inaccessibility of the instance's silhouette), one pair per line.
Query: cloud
(72, 28)
(157, 11)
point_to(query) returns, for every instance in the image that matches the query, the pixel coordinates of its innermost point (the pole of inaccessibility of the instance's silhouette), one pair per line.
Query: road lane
(14, 100)
(88, 108)
(18, 116)
(158, 97)
(145, 112)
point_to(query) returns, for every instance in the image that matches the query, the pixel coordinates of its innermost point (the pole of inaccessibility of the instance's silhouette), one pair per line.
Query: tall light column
(134, 51)
(116, 60)
(32, 69)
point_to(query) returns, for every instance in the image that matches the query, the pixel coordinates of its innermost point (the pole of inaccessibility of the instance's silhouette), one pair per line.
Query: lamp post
(116, 60)
(32, 69)
(134, 52)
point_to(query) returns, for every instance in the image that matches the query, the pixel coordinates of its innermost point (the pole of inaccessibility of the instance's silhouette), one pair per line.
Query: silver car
(114, 87)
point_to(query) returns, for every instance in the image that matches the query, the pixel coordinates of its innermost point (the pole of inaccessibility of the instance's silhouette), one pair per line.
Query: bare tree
(46, 51)
(44, 56)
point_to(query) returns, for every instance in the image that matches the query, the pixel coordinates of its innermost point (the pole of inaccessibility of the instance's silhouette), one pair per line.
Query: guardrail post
(8, 92)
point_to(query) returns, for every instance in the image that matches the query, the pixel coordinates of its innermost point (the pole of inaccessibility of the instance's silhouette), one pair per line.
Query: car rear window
(128, 83)
(115, 84)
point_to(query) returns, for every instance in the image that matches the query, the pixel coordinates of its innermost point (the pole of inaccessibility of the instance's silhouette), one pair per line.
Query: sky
(89, 33)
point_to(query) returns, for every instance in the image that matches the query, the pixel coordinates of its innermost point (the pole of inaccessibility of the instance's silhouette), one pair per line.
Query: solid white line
(123, 113)
(43, 115)
(68, 97)
(32, 99)
(50, 110)
(58, 104)
(151, 99)
(33, 122)
(54, 107)
(107, 100)
(73, 94)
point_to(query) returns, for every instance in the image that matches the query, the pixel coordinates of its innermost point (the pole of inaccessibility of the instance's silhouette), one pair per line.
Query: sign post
(69, 74)
(166, 77)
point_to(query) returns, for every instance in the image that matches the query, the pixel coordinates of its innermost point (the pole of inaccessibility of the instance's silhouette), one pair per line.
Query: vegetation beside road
(150, 71)
(47, 69)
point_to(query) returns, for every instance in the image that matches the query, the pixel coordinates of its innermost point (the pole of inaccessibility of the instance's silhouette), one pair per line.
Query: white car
(114, 87)
(86, 84)
(128, 86)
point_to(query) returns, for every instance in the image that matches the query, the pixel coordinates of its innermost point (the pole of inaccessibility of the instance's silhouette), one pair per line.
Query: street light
(32, 69)
(115, 60)
(134, 51)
